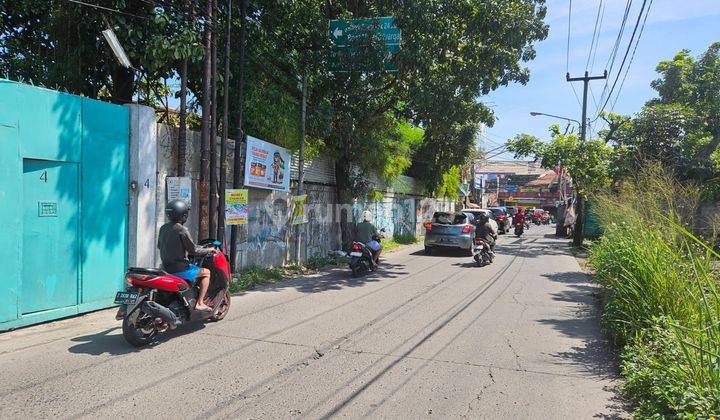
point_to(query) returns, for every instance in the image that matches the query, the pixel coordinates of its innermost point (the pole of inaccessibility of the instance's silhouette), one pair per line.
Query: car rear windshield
(449, 218)
(496, 211)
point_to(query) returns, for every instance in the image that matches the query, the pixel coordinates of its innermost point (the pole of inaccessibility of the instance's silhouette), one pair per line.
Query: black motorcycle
(362, 257)
(481, 253)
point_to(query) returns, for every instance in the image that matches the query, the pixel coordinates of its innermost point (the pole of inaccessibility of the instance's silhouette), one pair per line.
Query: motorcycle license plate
(356, 254)
(126, 298)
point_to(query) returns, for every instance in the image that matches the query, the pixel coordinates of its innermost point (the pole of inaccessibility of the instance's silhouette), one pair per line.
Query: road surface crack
(479, 395)
(515, 353)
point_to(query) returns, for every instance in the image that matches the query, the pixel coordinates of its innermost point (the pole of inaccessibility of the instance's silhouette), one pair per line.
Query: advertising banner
(236, 207)
(179, 188)
(479, 180)
(298, 216)
(267, 165)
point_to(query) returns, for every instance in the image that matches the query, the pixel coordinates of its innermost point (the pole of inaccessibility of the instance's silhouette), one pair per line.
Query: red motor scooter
(156, 301)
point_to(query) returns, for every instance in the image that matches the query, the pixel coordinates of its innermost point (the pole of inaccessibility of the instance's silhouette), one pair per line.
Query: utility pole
(224, 139)
(213, 203)
(579, 234)
(301, 164)
(238, 164)
(204, 186)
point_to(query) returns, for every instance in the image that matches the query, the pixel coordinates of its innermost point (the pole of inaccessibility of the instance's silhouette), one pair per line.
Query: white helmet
(366, 216)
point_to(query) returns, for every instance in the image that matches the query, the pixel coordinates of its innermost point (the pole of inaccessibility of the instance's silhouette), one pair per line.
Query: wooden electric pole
(238, 164)
(224, 139)
(205, 134)
(301, 167)
(579, 234)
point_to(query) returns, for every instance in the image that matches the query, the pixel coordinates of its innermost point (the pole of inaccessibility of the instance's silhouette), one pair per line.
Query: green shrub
(250, 277)
(318, 261)
(660, 297)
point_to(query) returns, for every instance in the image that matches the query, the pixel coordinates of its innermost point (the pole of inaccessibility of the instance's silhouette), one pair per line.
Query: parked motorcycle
(481, 253)
(156, 301)
(519, 229)
(361, 257)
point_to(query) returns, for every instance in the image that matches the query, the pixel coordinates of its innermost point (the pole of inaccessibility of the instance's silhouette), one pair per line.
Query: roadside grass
(660, 296)
(250, 277)
(395, 242)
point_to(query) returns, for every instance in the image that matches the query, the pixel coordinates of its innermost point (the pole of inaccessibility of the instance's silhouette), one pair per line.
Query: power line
(610, 64)
(622, 64)
(596, 35)
(567, 51)
(632, 57)
(597, 41)
(108, 9)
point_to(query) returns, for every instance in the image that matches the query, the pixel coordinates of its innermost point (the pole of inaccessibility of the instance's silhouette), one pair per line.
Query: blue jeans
(189, 274)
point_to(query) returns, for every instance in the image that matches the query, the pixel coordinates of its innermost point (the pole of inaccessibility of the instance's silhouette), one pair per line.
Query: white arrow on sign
(337, 33)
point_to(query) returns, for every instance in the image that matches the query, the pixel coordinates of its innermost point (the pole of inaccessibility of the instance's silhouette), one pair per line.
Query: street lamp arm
(535, 114)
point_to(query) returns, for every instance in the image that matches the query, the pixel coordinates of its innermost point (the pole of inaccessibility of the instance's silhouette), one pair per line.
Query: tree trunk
(205, 132)
(212, 224)
(225, 128)
(182, 131)
(345, 201)
(238, 164)
(704, 154)
(579, 233)
(123, 84)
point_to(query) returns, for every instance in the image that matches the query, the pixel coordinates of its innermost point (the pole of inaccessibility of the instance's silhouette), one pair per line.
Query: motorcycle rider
(175, 245)
(519, 218)
(484, 230)
(367, 234)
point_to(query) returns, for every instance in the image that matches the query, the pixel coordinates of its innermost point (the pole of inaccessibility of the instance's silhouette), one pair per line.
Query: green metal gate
(63, 185)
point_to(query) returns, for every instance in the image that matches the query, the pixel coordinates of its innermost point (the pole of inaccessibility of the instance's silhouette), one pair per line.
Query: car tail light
(428, 226)
(467, 229)
(501, 217)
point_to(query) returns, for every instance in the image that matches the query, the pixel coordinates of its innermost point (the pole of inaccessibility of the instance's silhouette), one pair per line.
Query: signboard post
(267, 165)
(348, 36)
(236, 207)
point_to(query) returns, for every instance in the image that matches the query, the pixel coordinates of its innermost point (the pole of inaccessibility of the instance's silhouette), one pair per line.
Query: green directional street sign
(349, 59)
(351, 39)
(346, 32)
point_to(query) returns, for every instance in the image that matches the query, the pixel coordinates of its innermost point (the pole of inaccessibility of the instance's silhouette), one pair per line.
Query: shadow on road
(336, 278)
(596, 354)
(115, 345)
(443, 252)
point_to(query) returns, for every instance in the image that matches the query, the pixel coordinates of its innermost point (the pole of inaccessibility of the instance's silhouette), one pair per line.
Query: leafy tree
(694, 84)
(587, 162)
(452, 53)
(58, 44)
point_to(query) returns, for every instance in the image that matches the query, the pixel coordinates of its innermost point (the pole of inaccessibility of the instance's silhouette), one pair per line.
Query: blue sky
(672, 25)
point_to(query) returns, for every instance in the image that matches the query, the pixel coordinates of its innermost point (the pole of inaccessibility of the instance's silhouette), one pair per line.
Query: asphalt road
(426, 336)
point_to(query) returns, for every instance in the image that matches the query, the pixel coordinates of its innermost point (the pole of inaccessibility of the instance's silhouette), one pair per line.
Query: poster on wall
(479, 181)
(179, 188)
(267, 165)
(236, 207)
(298, 216)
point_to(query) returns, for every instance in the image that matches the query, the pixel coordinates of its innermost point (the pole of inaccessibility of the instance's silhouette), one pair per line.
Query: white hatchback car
(489, 214)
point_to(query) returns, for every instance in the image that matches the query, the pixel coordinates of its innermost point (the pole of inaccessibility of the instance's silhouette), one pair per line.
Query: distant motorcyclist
(484, 230)
(368, 234)
(519, 218)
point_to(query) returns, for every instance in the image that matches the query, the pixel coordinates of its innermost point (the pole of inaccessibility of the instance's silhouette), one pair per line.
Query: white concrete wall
(143, 180)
